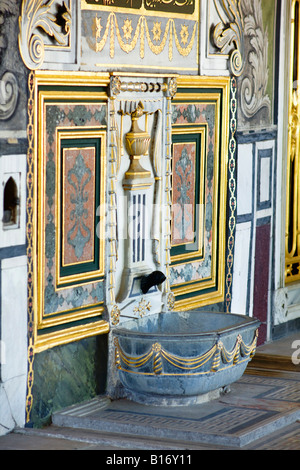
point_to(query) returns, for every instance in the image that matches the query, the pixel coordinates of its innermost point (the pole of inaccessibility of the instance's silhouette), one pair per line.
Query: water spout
(153, 279)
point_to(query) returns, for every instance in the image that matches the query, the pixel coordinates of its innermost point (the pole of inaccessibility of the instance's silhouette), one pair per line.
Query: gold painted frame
(292, 223)
(212, 289)
(91, 274)
(201, 131)
(77, 324)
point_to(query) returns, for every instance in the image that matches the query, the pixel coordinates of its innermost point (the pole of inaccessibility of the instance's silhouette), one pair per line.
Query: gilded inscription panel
(170, 6)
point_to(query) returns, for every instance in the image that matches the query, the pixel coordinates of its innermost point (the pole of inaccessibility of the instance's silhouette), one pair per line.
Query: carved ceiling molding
(43, 24)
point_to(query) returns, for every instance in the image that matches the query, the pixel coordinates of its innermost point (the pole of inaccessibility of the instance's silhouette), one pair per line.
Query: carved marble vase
(137, 144)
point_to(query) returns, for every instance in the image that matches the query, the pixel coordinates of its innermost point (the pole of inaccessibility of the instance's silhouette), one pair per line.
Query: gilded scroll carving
(255, 79)
(9, 92)
(228, 34)
(37, 24)
(241, 34)
(292, 239)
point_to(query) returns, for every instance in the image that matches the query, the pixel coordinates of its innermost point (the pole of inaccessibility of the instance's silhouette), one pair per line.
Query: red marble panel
(183, 207)
(78, 212)
(261, 279)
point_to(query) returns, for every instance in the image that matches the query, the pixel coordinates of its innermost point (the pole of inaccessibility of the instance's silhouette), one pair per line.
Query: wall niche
(11, 205)
(12, 200)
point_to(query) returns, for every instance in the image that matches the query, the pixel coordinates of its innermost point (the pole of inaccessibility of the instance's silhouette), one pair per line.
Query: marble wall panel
(67, 233)
(245, 179)
(242, 262)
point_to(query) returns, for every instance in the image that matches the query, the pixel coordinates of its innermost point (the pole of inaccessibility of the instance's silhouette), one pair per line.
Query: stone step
(257, 406)
(283, 354)
(274, 362)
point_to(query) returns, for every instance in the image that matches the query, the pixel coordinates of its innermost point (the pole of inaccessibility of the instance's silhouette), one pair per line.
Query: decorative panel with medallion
(70, 200)
(200, 113)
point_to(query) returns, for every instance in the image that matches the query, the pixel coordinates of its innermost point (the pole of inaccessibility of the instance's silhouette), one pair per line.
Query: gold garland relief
(217, 353)
(128, 39)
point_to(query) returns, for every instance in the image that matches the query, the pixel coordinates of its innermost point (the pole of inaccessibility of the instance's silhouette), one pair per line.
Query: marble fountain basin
(179, 358)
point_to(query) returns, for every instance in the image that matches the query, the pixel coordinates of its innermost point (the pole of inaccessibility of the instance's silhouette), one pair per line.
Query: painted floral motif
(183, 192)
(78, 177)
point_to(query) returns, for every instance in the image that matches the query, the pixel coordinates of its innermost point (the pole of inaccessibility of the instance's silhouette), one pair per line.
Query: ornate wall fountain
(102, 76)
(141, 139)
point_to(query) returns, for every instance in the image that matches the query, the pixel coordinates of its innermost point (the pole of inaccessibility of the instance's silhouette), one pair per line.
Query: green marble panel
(68, 374)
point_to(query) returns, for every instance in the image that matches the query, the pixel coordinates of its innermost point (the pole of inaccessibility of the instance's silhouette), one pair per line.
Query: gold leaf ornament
(156, 38)
(127, 29)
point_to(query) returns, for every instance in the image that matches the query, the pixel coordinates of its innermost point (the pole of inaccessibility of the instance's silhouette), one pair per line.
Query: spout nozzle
(153, 279)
